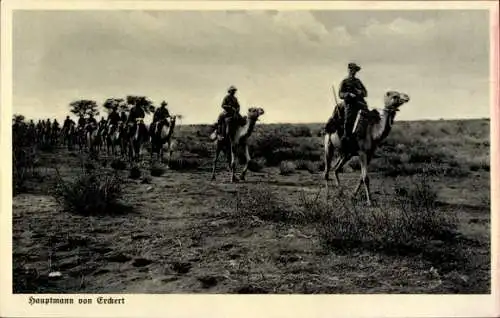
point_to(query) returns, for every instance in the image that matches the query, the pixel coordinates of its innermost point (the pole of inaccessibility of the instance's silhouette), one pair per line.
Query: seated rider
(123, 117)
(67, 122)
(161, 113)
(91, 122)
(81, 122)
(113, 119)
(135, 113)
(353, 93)
(231, 108)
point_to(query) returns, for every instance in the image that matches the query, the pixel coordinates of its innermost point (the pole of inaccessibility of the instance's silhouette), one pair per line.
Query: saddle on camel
(230, 118)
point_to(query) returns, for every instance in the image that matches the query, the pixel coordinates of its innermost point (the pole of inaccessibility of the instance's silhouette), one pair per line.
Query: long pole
(334, 95)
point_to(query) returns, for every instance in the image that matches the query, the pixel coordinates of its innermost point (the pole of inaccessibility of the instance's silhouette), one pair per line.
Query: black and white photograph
(251, 151)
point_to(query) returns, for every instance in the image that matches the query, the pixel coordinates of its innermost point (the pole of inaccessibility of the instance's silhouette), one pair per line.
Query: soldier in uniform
(231, 108)
(353, 92)
(67, 123)
(161, 113)
(135, 112)
(91, 121)
(81, 122)
(113, 117)
(123, 117)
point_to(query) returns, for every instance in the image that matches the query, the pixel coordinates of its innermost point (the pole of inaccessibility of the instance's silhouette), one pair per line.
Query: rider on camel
(113, 118)
(161, 114)
(67, 122)
(231, 108)
(91, 122)
(81, 122)
(353, 93)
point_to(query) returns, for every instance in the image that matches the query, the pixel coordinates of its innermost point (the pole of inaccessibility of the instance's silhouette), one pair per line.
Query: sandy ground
(178, 237)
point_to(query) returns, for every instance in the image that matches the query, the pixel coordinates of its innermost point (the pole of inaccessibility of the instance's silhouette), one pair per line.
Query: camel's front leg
(338, 166)
(169, 152)
(217, 153)
(363, 158)
(328, 156)
(233, 163)
(247, 161)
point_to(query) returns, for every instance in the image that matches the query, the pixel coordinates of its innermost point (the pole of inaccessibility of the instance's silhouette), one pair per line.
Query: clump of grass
(305, 165)
(135, 173)
(261, 202)
(146, 180)
(287, 168)
(90, 193)
(256, 165)
(180, 164)
(157, 170)
(411, 225)
(118, 164)
(480, 164)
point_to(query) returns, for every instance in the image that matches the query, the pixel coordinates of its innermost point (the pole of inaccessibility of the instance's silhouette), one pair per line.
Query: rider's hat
(232, 88)
(164, 103)
(354, 66)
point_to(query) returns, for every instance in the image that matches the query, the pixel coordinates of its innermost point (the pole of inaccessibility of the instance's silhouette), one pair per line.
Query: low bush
(90, 193)
(157, 170)
(413, 223)
(287, 168)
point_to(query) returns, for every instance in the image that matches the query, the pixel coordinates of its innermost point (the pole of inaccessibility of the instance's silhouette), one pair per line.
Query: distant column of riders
(114, 121)
(352, 92)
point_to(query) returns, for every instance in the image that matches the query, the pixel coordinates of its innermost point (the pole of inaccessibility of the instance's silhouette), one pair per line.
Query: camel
(137, 135)
(70, 135)
(115, 137)
(237, 138)
(161, 132)
(93, 138)
(366, 138)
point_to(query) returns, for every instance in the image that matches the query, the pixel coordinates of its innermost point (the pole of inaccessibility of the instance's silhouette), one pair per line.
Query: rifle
(334, 95)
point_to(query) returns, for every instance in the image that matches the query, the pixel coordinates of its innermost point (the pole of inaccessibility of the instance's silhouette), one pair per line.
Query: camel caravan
(352, 130)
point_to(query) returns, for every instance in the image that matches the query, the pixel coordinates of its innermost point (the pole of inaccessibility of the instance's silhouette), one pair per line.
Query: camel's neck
(382, 129)
(245, 131)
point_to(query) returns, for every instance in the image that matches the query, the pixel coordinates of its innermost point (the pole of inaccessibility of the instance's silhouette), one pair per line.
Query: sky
(283, 61)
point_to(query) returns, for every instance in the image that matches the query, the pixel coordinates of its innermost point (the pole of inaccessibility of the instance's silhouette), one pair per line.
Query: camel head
(393, 100)
(255, 112)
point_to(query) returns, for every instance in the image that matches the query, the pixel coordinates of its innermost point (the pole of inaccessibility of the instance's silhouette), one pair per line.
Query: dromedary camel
(137, 135)
(161, 134)
(116, 137)
(367, 136)
(238, 139)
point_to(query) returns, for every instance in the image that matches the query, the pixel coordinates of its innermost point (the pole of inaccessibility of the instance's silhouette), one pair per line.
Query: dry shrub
(90, 193)
(343, 223)
(118, 164)
(182, 164)
(261, 202)
(287, 168)
(157, 170)
(135, 173)
(256, 165)
(305, 165)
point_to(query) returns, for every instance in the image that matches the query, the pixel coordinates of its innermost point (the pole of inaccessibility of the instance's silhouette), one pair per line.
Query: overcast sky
(283, 61)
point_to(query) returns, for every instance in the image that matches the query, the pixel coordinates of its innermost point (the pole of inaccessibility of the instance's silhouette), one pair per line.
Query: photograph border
(222, 305)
